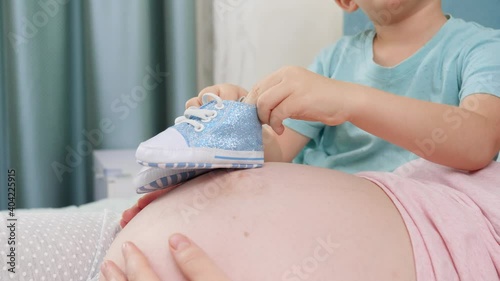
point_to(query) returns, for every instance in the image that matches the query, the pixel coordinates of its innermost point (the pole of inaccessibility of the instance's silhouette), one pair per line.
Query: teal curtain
(80, 75)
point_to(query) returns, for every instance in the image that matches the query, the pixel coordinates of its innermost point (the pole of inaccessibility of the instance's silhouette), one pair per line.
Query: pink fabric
(452, 217)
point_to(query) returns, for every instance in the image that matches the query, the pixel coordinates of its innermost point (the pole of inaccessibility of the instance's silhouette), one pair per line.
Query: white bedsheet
(66, 244)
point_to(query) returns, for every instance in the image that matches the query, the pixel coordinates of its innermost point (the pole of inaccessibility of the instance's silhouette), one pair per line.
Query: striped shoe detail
(239, 158)
(169, 181)
(184, 165)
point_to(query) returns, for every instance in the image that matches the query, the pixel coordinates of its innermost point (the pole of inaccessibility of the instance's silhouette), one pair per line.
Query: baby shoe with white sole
(150, 179)
(219, 134)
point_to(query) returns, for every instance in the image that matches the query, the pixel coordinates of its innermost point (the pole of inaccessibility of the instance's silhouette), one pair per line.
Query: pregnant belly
(280, 222)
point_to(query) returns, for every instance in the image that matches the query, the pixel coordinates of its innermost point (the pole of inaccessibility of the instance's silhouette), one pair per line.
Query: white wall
(204, 43)
(253, 38)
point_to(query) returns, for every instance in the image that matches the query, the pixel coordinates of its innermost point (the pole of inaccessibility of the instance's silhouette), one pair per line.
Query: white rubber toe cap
(151, 174)
(158, 147)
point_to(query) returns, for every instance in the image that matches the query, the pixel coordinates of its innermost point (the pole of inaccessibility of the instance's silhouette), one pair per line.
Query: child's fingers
(273, 106)
(193, 262)
(137, 265)
(193, 102)
(264, 85)
(225, 91)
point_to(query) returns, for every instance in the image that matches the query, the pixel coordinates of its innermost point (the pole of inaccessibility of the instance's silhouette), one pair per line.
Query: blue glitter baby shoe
(219, 134)
(150, 179)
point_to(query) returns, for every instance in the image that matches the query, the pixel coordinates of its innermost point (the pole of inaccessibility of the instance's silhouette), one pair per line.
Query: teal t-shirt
(461, 59)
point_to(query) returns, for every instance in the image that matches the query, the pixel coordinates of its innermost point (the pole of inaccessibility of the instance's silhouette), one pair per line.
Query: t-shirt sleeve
(321, 65)
(481, 68)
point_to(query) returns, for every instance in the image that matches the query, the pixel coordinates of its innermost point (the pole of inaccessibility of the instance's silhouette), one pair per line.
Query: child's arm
(284, 147)
(465, 137)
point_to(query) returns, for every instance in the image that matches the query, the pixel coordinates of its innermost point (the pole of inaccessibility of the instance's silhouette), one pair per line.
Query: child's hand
(295, 92)
(225, 91)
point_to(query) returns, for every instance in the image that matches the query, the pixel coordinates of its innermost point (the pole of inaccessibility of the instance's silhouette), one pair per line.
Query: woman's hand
(225, 91)
(295, 92)
(145, 200)
(191, 260)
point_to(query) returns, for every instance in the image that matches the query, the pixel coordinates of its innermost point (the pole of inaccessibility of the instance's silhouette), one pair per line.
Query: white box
(114, 171)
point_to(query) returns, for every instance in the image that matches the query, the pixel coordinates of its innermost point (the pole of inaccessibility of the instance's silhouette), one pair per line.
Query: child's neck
(398, 41)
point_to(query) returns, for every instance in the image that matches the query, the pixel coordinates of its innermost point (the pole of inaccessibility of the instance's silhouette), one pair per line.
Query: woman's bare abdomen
(280, 222)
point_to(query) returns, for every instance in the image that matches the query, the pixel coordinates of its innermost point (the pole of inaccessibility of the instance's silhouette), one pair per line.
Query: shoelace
(205, 115)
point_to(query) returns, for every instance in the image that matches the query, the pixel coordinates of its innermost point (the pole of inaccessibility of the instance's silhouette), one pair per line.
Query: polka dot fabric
(58, 246)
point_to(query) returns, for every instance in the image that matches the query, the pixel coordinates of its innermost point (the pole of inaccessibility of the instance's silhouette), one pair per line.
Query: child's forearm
(272, 148)
(448, 135)
(282, 148)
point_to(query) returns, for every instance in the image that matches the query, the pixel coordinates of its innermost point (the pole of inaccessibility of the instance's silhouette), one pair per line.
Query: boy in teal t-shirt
(421, 84)
(462, 59)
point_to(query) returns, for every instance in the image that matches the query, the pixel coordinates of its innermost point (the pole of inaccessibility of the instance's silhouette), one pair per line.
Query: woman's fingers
(193, 261)
(152, 196)
(129, 214)
(137, 265)
(145, 200)
(112, 272)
